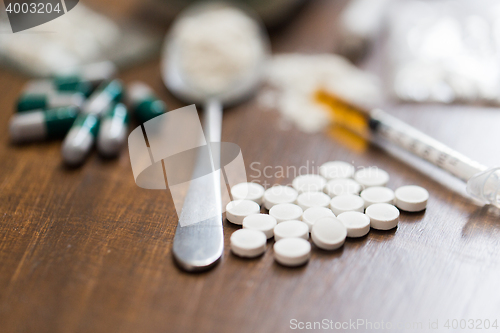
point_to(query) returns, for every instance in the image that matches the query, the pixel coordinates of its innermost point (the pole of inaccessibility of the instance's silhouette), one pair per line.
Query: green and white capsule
(35, 101)
(83, 80)
(95, 73)
(80, 139)
(86, 78)
(113, 130)
(40, 125)
(105, 95)
(144, 103)
(64, 85)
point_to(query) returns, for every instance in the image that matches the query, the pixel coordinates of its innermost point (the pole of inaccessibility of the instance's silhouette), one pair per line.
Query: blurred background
(87, 250)
(375, 53)
(429, 51)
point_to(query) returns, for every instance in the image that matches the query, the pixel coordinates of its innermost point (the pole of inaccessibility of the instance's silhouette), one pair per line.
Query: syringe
(483, 183)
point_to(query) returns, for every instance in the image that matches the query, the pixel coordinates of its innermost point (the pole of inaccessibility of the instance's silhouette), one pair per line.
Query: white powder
(218, 47)
(79, 37)
(296, 78)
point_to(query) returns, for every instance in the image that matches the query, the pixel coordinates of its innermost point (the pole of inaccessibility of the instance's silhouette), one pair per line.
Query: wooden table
(86, 250)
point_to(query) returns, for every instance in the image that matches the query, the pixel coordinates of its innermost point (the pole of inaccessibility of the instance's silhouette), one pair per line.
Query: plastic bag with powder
(446, 51)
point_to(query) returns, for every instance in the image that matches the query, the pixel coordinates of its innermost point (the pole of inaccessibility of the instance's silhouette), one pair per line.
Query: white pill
(248, 191)
(278, 195)
(411, 198)
(292, 251)
(237, 210)
(336, 169)
(260, 222)
(309, 183)
(383, 216)
(347, 203)
(328, 233)
(342, 186)
(312, 199)
(313, 214)
(291, 229)
(248, 243)
(377, 194)
(369, 177)
(286, 212)
(356, 223)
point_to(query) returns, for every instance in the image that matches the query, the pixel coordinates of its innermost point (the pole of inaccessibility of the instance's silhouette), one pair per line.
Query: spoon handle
(199, 246)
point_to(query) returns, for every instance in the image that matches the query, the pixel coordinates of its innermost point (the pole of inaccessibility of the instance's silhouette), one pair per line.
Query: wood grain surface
(86, 250)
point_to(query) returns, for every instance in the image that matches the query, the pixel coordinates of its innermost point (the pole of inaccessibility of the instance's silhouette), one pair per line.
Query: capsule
(73, 83)
(64, 85)
(144, 103)
(40, 125)
(83, 80)
(105, 95)
(96, 73)
(80, 139)
(113, 130)
(35, 101)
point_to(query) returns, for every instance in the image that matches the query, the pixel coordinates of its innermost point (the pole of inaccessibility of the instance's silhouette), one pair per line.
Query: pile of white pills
(324, 208)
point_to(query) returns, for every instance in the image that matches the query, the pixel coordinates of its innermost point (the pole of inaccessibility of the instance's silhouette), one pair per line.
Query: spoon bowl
(178, 82)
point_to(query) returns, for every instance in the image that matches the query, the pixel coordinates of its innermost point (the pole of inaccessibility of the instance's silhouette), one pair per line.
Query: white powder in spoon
(218, 47)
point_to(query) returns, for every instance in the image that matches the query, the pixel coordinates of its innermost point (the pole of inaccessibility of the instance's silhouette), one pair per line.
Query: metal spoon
(199, 246)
